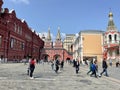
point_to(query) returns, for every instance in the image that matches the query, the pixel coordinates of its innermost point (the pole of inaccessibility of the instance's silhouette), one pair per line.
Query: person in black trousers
(104, 66)
(62, 64)
(57, 65)
(77, 66)
(94, 68)
(32, 67)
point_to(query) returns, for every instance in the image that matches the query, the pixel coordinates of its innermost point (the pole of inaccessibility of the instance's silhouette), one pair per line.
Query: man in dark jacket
(57, 65)
(104, 66)
(77, 66)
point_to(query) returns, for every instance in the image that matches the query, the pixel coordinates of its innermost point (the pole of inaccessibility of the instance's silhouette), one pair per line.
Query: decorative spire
(49, 36)
(58, 35)
(111, 25)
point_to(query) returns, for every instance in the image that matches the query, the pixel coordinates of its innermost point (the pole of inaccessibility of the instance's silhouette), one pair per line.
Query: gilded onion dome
(111, 25)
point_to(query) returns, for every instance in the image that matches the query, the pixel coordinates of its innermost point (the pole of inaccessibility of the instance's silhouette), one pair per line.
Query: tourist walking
(110, 62)
(52, 64)
(32, 67)
(77, 66)
(94, 69)
(61, 64)
(97, 71)
(90, 67)
(104, 66)
(57, 65)
(74, 63)
(28, 69)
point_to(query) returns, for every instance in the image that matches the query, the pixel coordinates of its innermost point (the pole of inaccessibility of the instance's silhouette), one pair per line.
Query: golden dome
(110, 14)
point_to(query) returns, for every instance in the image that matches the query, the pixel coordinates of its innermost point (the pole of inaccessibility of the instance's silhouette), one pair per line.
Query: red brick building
(17, 40)
(53, 50)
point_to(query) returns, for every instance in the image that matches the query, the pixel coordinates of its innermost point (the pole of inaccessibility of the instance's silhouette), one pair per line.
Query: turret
(58, 38)
(48, 41)
(58, 42)
(48, 35)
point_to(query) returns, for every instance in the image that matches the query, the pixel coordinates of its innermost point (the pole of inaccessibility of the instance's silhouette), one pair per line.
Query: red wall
(18, 40)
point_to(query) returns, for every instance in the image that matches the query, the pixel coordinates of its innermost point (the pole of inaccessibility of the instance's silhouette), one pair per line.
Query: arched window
(110, 38)
(115, 37)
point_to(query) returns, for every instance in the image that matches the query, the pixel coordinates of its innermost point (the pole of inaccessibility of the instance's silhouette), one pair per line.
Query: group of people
(93, 67)
(117, 62)
(56, 64)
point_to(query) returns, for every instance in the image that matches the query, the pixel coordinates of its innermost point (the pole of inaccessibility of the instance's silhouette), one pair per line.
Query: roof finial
(110, 13)
(58, 34)
(49, 36)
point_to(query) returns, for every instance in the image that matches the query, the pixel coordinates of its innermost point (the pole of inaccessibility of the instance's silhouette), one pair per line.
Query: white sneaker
(31, 77)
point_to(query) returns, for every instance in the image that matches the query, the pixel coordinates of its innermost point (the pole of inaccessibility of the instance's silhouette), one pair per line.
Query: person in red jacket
(32, 67)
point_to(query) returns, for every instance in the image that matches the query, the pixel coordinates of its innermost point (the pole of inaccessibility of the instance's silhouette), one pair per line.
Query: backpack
(57, 62)
(93, 67)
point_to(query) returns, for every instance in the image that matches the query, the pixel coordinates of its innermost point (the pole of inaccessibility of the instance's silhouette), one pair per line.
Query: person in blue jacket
(94, 69)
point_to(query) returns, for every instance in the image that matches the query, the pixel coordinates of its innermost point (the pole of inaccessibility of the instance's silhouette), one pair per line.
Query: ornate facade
(53, 50)
(98, 44)
(17, 40)
(111, 40)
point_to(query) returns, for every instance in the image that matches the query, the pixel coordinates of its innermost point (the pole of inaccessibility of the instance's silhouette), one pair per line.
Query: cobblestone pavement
(14, 77)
